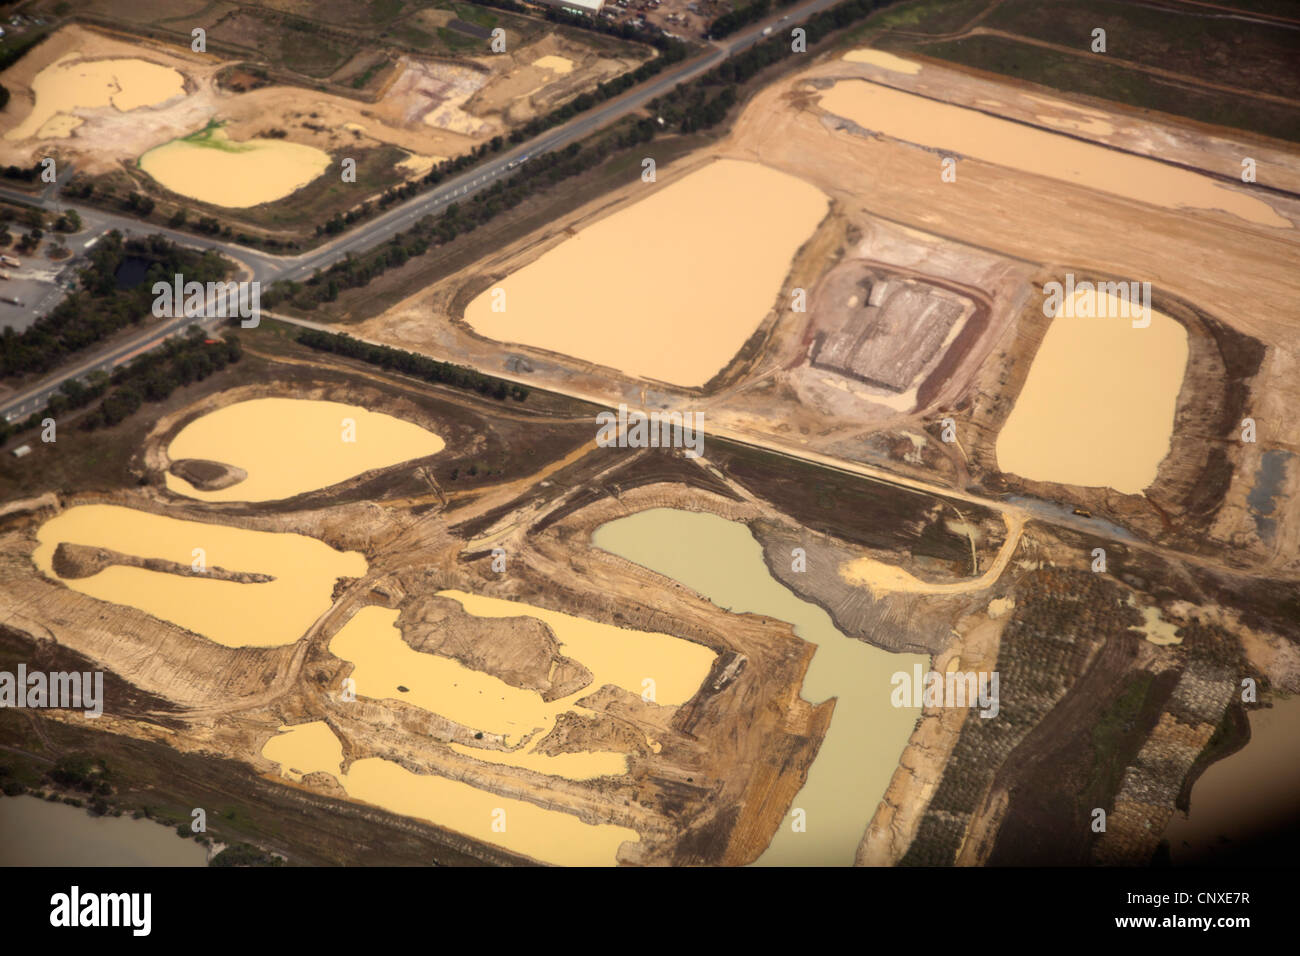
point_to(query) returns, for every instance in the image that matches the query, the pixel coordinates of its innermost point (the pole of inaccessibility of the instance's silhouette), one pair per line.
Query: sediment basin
(212, 168)
(232, 613)
(289, 446)
(669, 287)
(1097, 409)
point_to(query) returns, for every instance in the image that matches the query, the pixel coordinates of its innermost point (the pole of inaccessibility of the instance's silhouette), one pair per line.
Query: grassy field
(1251, 58)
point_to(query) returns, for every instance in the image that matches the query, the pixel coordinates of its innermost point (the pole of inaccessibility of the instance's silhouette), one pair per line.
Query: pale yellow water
(69, 83)
(383, 661)
(290, 445)
(549, 836)
(474, 699)
(556, 64)
(884, 60)
(1156, 629)
(228, 612)
(256, 171)
(925, 122)
(305, 748)
(721, 560)
(669, 287)
(1097, 409)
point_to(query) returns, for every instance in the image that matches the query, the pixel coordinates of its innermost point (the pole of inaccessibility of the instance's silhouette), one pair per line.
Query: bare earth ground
(428, 106)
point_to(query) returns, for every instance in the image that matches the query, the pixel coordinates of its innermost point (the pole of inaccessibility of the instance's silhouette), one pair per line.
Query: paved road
(264, 267)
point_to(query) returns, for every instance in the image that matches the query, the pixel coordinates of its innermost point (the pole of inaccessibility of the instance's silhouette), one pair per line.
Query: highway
(266, 268)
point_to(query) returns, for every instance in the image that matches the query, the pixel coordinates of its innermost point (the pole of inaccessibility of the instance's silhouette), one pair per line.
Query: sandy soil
(429, 107)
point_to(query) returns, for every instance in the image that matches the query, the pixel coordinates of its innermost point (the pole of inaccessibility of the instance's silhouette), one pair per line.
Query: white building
(591, 7)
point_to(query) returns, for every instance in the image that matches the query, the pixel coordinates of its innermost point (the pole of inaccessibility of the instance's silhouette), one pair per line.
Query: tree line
(408, 363)
(151, 377)
(729, 23)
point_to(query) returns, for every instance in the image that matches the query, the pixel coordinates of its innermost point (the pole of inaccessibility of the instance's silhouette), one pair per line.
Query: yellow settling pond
(212, 168)
(232, 613)
(549, 836)
(1097, 409)
(70, 83)
(966, 132)
(669, 287)
(289, 446)
(625, 658)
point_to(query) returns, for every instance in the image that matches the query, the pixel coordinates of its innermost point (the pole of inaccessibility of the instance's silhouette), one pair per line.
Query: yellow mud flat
(556, 64)
(305, 748)
(291, 445)
(886, 61)
(966, 132)
(1097, 409)
(549, 836)
(614, 655)
(233, 174)
(231, 613)
(70, 83)
(667, 288)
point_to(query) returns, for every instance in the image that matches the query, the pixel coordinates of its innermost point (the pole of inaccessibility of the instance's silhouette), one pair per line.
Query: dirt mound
(207, 475)
(522, 651)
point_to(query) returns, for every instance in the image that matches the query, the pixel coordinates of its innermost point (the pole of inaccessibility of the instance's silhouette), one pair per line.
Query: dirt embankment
(207, 475)
(520, 651)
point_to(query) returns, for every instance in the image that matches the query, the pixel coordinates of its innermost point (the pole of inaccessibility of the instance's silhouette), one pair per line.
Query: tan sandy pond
(233, 613)
(212, 168)
(669, 287)
(289, 446)
(1097, 409)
